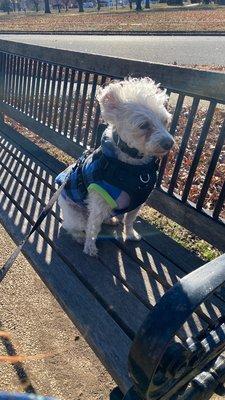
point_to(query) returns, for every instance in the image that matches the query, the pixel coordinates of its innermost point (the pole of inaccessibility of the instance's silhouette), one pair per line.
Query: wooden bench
(173, 343)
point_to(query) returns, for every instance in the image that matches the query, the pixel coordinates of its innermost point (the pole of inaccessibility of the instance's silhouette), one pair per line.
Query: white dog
(118, 177)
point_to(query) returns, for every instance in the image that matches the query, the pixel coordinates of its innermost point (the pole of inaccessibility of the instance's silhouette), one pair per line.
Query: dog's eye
(144, 126)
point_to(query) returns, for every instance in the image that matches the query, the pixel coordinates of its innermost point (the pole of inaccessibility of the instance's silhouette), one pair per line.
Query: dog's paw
(78, 236)
(90, 248)
(133, 236)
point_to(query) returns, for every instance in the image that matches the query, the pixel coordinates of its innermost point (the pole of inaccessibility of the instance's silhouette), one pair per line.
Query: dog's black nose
(167, 143)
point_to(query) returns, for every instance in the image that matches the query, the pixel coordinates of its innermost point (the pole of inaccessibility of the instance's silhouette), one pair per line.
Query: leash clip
(143, 180)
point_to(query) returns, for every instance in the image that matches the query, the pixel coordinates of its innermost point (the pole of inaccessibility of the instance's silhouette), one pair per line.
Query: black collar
(131, 151)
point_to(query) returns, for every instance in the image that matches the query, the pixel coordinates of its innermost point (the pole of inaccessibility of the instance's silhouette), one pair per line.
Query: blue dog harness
(123, 186)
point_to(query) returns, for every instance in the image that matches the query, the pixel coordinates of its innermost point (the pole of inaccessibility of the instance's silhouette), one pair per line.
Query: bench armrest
(158, 330)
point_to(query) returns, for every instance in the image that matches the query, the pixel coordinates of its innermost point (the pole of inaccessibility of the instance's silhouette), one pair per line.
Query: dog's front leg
(129, 218)
(99, 210)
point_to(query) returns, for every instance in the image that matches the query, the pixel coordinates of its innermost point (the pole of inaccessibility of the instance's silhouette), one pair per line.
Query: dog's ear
(108, 99)
(110, 103)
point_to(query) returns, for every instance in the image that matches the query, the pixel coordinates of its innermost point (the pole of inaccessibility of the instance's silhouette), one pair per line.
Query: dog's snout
(167, 143)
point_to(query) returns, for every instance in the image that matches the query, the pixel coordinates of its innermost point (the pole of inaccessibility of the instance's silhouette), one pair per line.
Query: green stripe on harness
(106, 196)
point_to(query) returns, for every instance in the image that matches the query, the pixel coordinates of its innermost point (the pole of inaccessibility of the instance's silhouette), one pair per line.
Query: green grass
(181, 235)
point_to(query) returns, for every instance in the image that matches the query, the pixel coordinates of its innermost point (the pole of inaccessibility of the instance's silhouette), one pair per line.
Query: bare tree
(36, 5)
(47, 7)
(138, 5)
(13, 4)
(80, 5)
(5, 6)
(66, 3)
(58, 4)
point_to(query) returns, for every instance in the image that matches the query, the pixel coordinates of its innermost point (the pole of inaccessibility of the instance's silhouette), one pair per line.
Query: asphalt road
(163, 49)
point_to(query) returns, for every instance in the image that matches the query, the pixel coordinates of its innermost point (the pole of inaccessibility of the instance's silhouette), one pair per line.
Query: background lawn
(155, 19)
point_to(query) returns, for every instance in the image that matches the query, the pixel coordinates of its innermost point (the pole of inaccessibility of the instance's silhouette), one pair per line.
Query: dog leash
(42, 216)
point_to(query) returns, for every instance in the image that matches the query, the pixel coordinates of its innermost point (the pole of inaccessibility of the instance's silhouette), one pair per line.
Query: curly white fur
(135, 108)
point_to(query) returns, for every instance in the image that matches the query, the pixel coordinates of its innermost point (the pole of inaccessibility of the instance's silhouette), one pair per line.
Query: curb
(118, 33)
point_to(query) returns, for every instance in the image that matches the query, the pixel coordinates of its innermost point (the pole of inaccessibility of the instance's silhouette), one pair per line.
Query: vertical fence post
(2, 59)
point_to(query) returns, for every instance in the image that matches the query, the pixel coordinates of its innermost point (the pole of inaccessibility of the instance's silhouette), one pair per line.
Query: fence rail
(52, 92)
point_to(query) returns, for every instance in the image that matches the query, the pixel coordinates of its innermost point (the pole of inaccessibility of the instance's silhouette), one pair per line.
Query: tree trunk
(138, 5)
(130, 4)
(175, 2)
(98, 5)
(66, 7)
(36, 7)
(80, 5)
(47, 7)
(147, 3)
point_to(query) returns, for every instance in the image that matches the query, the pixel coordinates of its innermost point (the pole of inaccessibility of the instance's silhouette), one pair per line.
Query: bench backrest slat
(52, 92)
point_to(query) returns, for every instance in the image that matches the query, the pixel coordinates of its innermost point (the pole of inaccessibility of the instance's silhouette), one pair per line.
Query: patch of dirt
(32, 324)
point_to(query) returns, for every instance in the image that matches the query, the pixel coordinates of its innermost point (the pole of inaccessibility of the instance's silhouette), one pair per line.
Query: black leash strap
(44, 213)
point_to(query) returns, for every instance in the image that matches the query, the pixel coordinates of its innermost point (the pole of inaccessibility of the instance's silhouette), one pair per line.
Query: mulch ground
(211, 19)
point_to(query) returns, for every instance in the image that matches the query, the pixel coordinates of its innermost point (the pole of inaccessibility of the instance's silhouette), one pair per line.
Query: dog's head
(136, 110)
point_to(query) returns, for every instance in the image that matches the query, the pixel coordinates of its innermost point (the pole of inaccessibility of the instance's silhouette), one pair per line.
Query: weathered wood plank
(187, 216)
(52, 96)
(183, 145)
(69, 102)
(31, 100)
(219, 203)
(173, 126)
(37, 90)
(57, 98)
(75, 105)
(179, 79)
(198, 151)
(82, 107)
(32, 149)
(211, 168)
(28, 89)
(63, 100)
(90, 110)
(24, 87)
(41, 91)
(48, 134)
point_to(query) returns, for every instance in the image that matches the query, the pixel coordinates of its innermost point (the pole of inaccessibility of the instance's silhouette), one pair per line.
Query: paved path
(163, 49)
